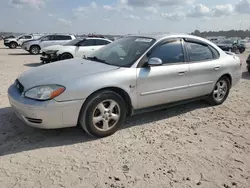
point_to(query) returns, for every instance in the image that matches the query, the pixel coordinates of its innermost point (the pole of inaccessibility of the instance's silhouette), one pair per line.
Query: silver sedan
(128, 76)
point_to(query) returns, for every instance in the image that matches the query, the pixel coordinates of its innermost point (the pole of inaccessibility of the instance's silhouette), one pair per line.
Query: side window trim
(168, 41)
(200, 43)
(145, 58)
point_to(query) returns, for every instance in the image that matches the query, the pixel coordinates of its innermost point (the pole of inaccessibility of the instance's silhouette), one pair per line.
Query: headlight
(45, 92)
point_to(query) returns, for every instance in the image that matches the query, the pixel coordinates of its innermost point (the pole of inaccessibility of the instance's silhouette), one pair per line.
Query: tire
(248, 69)
(66, 56)
(34, 49)
(219, 95)
(242, 50)
(13, 45)
(105, 124)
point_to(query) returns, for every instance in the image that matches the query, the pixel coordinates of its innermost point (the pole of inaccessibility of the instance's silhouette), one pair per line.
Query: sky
(123, 16)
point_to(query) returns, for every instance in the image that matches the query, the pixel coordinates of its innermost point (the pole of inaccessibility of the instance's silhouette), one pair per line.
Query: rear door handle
(217, 68)
(182, 73)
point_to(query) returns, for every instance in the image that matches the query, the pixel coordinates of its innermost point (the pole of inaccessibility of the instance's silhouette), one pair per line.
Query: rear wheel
(248, 69)
(34, 50)
(220, 92)
(103, 114)
(66, 56)
(13, 45)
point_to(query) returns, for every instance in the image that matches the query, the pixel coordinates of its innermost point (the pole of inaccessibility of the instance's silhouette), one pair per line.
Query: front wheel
(66, 56)
(34, 50)
(220, 92)
(103, 114)
(13, 45)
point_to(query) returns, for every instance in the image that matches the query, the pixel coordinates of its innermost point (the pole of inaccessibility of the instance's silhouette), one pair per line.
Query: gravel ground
(193, 145)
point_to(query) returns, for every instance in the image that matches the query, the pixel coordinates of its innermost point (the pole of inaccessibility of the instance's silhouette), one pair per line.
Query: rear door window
(88, 42)
(100, 42)
(198, 52)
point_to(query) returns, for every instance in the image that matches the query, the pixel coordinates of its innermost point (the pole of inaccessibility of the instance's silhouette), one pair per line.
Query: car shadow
(17, 137)
(246, 75)
(18, 54)
(33, 64)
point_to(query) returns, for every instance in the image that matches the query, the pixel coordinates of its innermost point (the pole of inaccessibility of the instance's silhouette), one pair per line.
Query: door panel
(203, 76)
(162, 84)
(82, 50)
(205, 67)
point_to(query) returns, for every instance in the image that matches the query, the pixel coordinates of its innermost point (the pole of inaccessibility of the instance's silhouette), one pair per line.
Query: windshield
(73, 42)
(39, 38)
(123, 52)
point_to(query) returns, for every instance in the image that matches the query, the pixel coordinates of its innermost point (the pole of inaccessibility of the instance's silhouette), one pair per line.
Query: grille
(19, 86)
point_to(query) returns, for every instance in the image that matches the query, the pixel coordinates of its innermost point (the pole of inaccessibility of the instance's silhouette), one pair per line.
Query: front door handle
(217, 68)
(182, 73)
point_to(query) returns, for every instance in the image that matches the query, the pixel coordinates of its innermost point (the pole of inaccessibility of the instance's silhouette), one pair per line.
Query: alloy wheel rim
(35, 50)
(220, 90)
(106, 115)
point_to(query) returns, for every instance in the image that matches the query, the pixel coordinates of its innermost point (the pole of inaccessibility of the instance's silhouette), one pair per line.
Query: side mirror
(154, 61)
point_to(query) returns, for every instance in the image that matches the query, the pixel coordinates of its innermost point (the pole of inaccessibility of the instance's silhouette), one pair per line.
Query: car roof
(166, 35)
(96, 38)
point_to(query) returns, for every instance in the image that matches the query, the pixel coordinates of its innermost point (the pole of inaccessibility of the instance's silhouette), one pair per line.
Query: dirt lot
(193, 145)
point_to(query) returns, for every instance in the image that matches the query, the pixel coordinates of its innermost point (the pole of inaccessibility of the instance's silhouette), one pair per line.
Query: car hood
(53, 47)
(11, 39)
(62, 72)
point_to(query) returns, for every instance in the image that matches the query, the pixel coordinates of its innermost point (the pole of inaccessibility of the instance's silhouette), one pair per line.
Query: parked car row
(134, 74)
(35, 46)
(232, 46)
(14, 42)
(76, 48)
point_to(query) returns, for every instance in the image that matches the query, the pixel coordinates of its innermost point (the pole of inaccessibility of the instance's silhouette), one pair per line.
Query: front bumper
(25, 47)
(44, 114)
(6, 44)
(48, 57)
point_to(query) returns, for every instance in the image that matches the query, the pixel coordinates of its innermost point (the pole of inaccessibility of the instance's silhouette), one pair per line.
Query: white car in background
(14, 42)
(79, 47)
(35, 46)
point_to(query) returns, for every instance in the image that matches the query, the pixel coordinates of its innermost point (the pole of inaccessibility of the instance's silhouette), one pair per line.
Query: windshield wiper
(98, 60)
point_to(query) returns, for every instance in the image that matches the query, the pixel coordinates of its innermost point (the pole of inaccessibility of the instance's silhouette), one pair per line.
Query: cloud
(51, 15)
(132, 17)
(202, 11)
(243, 6)
(64, 22)
(93, 5)
(27, 3)
(108, 7)
(152, 10)
(86, 8)
(174, 16)
(80, 9)
(106, 19)
(223, 10)
(199, 10)
(148, 3)
(20, 22)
